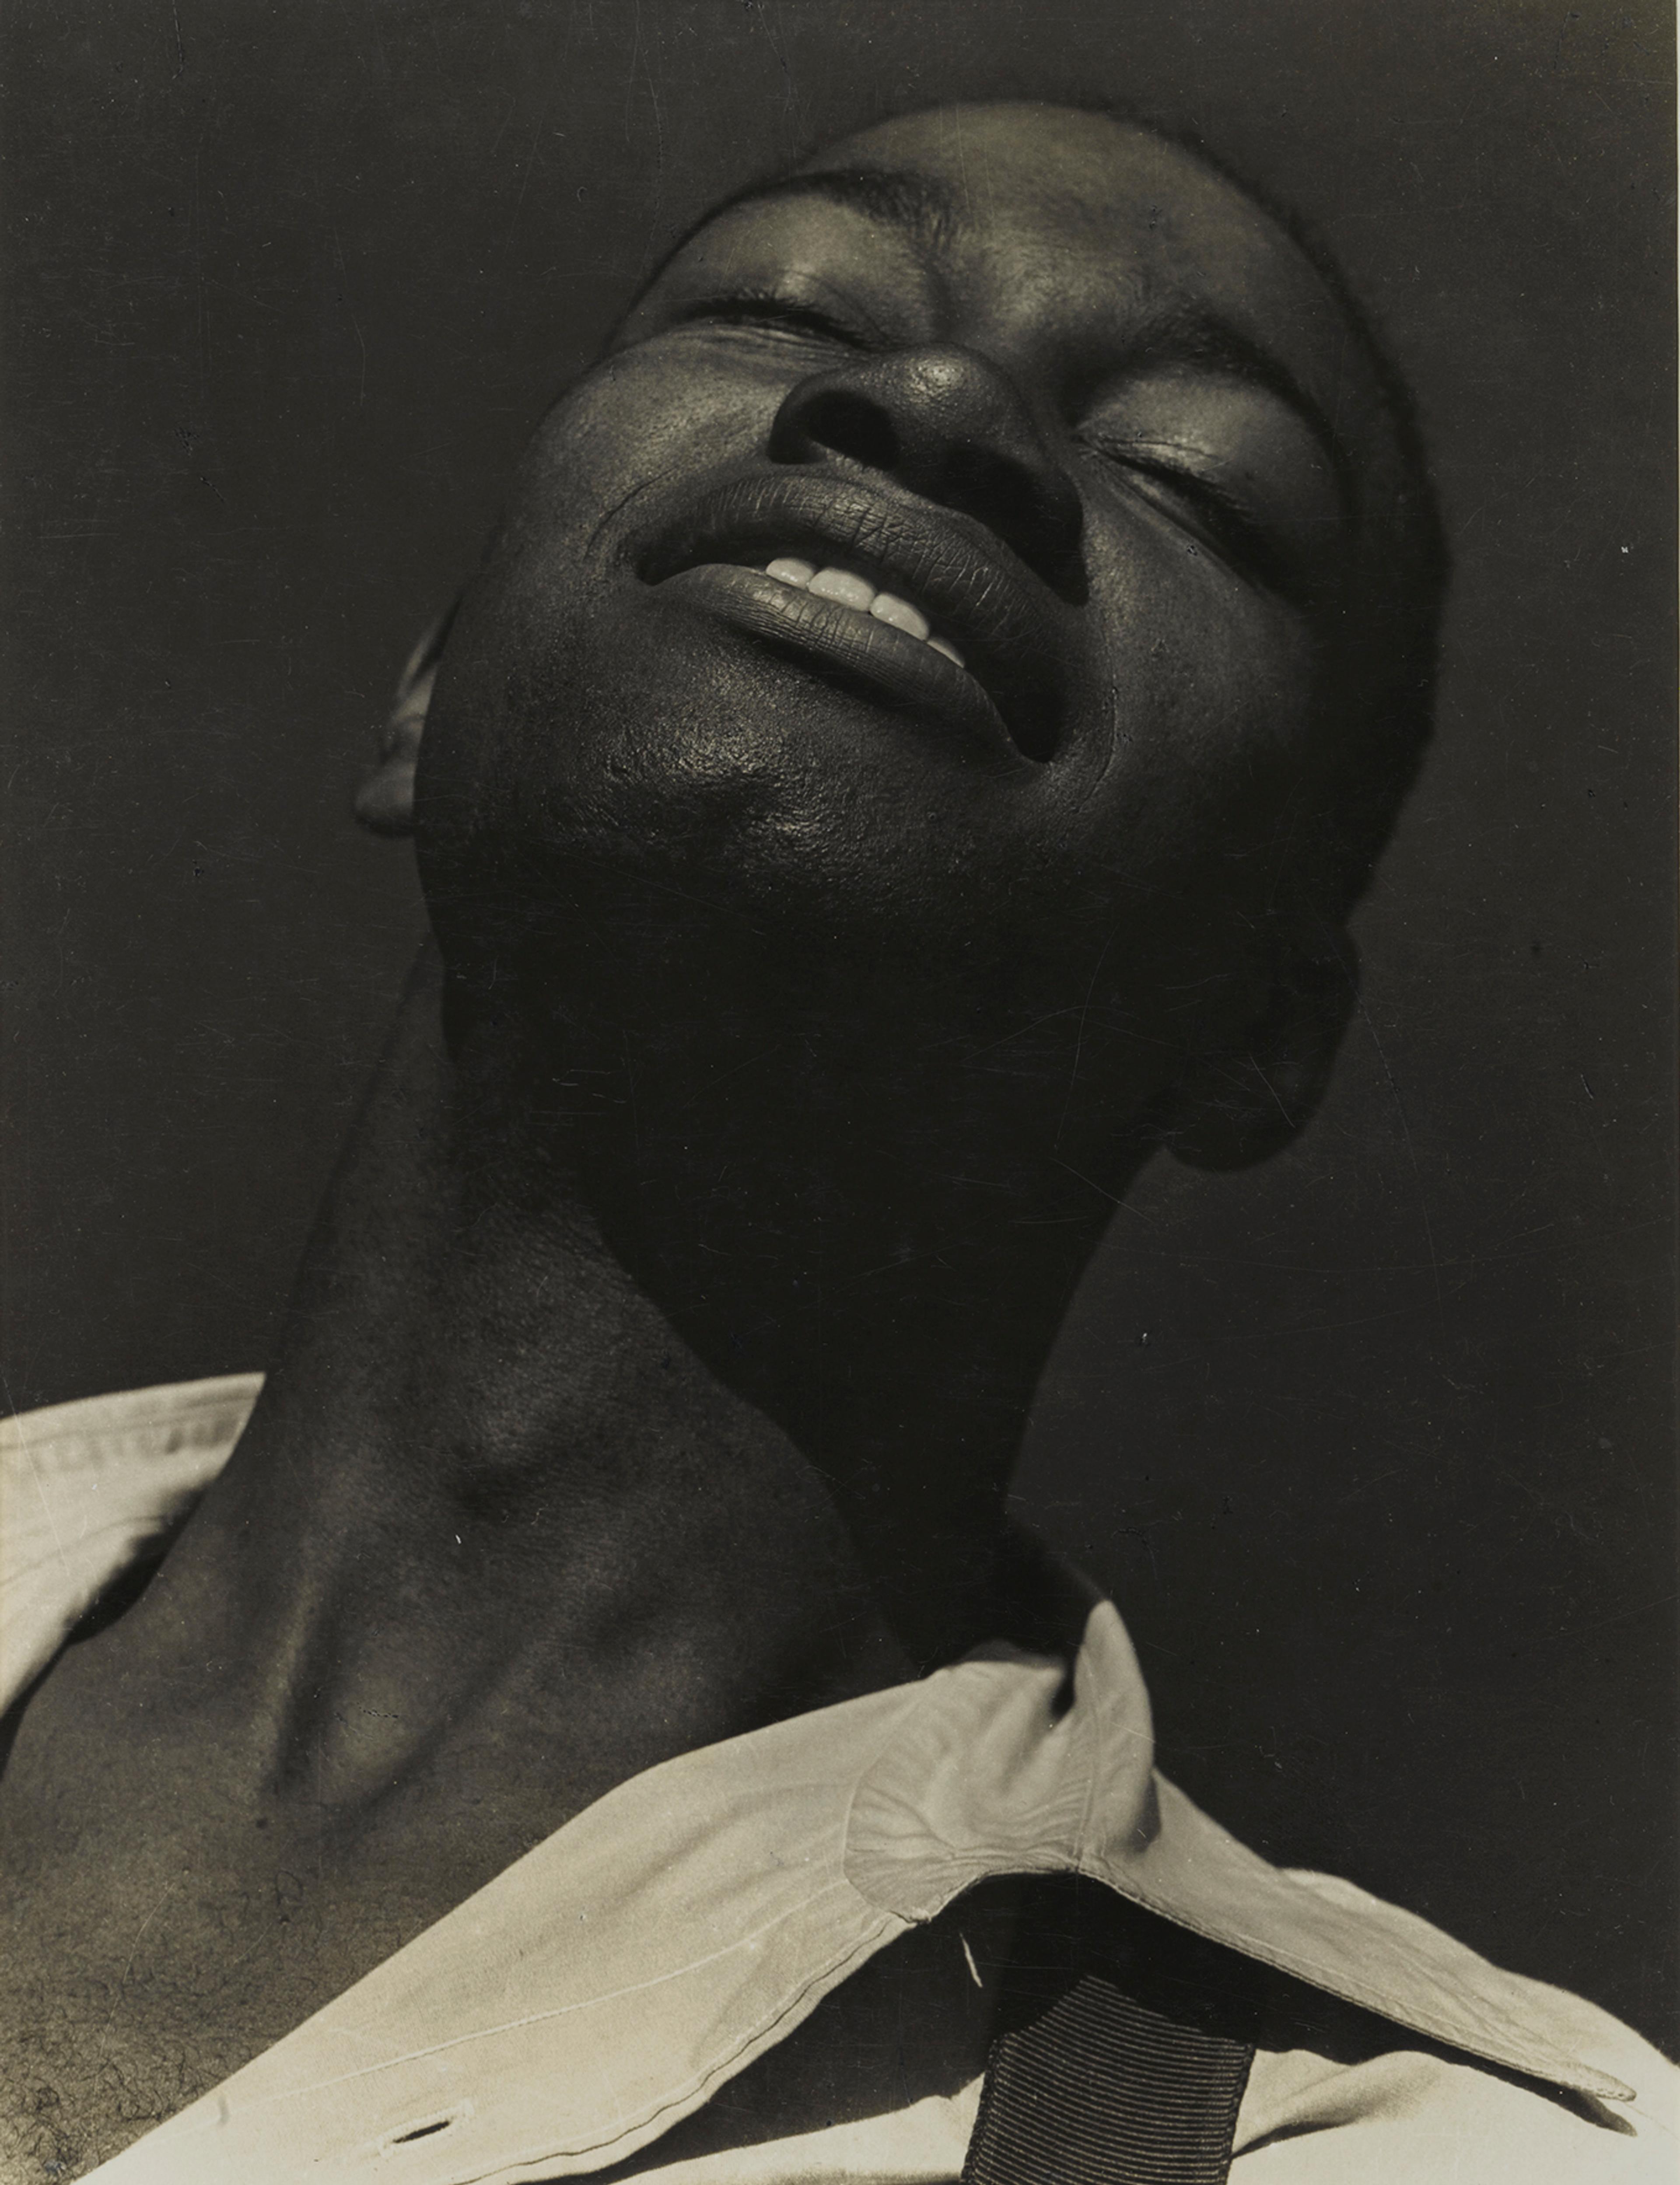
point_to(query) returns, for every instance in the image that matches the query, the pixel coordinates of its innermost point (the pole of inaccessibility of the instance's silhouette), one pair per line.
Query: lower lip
(902, 668)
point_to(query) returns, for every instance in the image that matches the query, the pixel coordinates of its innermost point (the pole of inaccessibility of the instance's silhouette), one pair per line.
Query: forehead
(1080, 180)
(1050, 225)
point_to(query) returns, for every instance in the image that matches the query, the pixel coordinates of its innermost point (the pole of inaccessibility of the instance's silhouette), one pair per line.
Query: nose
(947, 422)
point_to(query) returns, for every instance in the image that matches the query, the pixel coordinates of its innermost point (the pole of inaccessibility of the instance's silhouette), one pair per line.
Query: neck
(692, 1482)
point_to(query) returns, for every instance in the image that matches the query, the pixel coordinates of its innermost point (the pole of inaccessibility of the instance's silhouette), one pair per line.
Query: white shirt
(564, 2018)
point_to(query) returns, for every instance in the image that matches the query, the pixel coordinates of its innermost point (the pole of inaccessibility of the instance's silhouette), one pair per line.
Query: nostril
(1038, 513)
(948, 425)
(851, 424)
(978, 478)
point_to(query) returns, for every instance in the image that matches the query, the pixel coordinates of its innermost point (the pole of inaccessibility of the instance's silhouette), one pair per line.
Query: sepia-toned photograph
(839, 1281)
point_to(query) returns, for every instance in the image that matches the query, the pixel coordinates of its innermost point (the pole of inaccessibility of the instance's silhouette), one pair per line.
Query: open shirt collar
(606, 1985)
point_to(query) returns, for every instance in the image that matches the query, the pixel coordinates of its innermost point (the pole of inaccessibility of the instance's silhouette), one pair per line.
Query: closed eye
(1223, 520)
(774, 315)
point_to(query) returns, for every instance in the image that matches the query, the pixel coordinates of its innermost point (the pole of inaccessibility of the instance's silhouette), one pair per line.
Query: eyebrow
(917, 203)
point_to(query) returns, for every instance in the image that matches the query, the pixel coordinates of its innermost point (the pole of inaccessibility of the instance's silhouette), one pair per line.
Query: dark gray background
(1386, 1493)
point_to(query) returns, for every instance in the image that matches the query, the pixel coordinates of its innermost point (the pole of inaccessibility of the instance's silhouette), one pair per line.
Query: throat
(503, 1531)
(539, 1594)
(493, 1520)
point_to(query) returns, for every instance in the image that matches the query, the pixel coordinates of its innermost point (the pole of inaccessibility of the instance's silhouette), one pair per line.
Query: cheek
(1201, 701)
(543, 660)
(635, 426)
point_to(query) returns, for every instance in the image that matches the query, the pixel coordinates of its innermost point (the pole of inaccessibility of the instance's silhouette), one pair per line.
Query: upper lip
(974, 590)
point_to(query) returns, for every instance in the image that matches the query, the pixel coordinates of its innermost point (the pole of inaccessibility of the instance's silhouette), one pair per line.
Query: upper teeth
(851, 591)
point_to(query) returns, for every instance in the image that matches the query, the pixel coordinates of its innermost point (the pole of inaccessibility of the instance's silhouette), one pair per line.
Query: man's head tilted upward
(990, 577)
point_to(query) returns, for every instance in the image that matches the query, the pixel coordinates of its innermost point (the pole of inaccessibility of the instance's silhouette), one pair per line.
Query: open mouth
(858, 594)
(900, 601)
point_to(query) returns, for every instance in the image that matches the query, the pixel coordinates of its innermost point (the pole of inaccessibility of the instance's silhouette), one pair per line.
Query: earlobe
(1250, 1100)
(384, 804)
(385, 801)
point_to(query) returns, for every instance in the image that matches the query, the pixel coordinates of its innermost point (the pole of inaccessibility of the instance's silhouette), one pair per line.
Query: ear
(385, 801)
(1251, 1099)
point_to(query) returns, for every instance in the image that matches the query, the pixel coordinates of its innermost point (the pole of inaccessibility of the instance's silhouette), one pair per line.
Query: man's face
(1072, 437)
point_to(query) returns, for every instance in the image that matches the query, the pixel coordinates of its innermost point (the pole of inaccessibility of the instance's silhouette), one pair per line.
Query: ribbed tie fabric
(1102, 2090)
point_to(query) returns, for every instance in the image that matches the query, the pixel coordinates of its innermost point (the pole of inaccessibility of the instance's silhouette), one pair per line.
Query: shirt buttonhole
(425, 2129)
